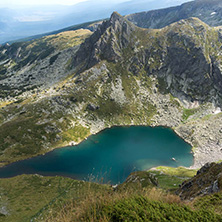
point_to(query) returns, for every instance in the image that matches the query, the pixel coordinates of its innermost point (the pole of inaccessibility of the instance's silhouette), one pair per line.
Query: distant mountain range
(209, 11)
(17, 23)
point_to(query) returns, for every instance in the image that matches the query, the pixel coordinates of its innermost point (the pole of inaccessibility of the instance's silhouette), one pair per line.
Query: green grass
(27, 134)
(28, 196)
(174, 101)
(188, 112)
(77, 133)
(56, 199)
(170, 178)
(211, 202)
(179, 171)
(141, 208)
(17, 140)
(138, 180)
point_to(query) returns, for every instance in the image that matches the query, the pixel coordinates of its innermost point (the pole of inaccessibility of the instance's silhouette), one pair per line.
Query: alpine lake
(109, 156)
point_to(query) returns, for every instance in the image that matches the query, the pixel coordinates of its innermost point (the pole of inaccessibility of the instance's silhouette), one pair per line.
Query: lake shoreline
(141, 145)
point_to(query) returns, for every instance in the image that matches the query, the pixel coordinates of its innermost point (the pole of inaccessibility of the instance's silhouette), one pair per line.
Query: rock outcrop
(207, 181)
(106, 43)
(184, 56)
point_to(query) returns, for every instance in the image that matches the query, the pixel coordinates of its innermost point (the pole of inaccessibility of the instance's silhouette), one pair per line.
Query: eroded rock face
(208, 180)
(182, 56)
(106, 43)
(36, 65)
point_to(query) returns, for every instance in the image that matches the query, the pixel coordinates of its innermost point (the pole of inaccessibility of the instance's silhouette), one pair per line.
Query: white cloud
(38, 2)
(35, 17)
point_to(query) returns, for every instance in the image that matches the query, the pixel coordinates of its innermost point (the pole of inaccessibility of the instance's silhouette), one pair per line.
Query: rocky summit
(57, 90)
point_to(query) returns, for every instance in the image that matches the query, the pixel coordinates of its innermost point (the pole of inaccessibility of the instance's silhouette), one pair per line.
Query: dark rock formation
(105, 44)
(183, 56)
(92, 107)
(207, 180)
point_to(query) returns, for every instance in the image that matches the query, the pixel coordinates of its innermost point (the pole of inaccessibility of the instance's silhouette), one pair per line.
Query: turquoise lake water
(111, 155)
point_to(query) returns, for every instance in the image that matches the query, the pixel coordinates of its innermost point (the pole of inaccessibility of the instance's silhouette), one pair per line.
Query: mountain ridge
(119, 75)
(208, 11)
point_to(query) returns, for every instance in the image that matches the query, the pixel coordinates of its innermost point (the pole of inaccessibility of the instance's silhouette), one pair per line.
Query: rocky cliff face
(26, 66)
(106, 43)
(184, 56)
(209, 11)
(207, 181)
(120, 75)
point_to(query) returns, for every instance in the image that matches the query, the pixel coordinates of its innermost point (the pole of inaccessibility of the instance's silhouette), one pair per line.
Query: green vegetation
(188, 112)
(77, 134)
(67, 39)
(33, 126)
(86, 25)
(28, 196)
(56, 199)
(140, 208)
(142, 205)
(179, 171)
(138, 180)
(170, 178)
(211, 202)
(30, 133)
(11, 134)
(174, 101)
(162, 86)
(203, 182)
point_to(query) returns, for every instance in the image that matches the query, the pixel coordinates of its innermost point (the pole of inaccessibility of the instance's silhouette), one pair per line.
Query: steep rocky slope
(185, 55)
(26, 66)
(208, 180)
(209, 11)
(120, 75)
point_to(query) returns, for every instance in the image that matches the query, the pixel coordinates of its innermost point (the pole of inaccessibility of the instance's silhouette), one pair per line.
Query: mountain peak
(116, 16)
(117, 21)
(106, 42)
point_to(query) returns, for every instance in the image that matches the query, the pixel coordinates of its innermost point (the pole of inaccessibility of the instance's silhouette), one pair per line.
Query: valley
(123, 80)
(159, 69)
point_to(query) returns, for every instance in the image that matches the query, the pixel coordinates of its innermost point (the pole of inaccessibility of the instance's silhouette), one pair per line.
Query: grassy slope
(64, 40)
(170, 178)
(56, 199)
(27, 196)
(62, 199)
(141, 208)
(86, 25)
(210, 202)
(24, 125)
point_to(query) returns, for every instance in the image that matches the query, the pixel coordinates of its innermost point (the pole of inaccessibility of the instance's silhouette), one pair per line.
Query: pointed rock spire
(105, 43)
(116, 16)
